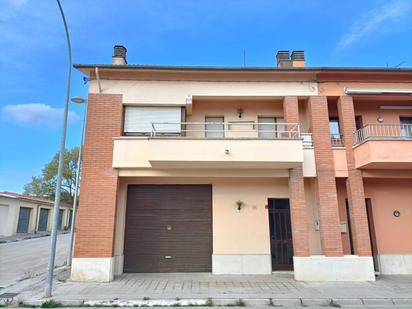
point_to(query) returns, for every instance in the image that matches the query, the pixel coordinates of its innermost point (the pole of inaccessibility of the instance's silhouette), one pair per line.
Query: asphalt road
(27, 258)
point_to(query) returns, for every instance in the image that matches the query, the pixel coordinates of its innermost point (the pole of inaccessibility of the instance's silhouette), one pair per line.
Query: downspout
(96, 70)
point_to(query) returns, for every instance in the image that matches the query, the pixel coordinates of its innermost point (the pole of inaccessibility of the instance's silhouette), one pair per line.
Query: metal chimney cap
(120, 51)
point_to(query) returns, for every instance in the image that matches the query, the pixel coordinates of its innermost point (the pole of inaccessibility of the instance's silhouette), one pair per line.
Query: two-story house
(246, 171)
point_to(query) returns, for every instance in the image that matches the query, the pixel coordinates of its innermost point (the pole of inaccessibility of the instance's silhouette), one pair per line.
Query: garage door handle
(168, 256)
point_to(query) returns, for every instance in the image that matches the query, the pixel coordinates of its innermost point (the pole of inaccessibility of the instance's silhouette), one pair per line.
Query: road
(27, 258)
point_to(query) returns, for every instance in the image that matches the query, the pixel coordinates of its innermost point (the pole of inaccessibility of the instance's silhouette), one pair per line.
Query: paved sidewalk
(144, 289)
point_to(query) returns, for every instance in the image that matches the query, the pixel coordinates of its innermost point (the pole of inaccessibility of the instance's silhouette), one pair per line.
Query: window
(215, 127)
(270, 127)
(139, 119)
(334, 128)
(406, 126)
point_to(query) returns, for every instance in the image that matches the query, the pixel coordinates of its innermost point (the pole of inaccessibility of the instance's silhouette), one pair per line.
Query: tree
(44, 186)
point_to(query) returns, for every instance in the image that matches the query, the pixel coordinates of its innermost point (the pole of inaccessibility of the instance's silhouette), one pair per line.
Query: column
(299, 216)
(354, 182)
(95, 226)
(330, 236)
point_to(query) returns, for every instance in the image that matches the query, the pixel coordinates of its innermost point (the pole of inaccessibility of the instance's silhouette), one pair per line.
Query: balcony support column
(354, 182)
(330, 236)
(299, 216)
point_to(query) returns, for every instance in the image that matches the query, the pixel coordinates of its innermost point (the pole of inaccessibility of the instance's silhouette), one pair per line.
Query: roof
(234, 68)
(28, 198)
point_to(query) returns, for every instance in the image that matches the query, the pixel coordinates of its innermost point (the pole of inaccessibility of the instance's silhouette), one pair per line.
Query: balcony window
(335, 136)
(406, 126)
(271, 127)
(214, 127)
(144, 120)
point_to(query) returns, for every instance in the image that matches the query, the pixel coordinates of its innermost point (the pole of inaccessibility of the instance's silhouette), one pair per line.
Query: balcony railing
(383, 132)
(229, 130)
(336, 140)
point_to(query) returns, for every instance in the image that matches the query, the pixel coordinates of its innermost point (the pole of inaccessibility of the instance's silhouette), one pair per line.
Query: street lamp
(77, 100)
(52, 255)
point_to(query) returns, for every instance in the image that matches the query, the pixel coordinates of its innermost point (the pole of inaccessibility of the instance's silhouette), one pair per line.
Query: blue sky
(33, 56)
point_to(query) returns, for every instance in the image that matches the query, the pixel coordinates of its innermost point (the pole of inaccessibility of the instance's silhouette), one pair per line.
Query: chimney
(298, 58)
(283, 59)
(119, 56)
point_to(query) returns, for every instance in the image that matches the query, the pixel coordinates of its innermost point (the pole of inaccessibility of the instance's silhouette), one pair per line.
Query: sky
(33, 53)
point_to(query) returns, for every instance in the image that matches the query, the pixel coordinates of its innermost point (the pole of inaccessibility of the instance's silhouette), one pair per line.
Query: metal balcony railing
(230, 130)
(383, 132)
(336, 140)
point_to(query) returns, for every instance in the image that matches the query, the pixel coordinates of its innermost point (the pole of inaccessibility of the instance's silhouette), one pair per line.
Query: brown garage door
(168, 228)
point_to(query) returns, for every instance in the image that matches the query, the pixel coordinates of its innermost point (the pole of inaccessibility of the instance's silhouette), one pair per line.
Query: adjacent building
(25, 214)
(246, 171)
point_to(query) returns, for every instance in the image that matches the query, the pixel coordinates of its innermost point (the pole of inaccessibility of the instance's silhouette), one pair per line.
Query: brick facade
(299, 215)
(326, 185)
(354, 182)
(97, 208)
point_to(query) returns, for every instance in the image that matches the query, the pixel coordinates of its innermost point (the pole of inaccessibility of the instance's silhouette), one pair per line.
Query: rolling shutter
(139, 119)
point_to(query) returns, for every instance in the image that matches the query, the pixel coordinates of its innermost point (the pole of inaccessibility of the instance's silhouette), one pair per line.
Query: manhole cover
(8, 295)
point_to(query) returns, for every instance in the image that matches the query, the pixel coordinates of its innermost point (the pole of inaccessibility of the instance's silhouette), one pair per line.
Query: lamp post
(52, 255)
(77, 100)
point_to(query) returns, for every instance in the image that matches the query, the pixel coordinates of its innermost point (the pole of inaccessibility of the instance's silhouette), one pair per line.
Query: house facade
(25, 214)
(246, 171)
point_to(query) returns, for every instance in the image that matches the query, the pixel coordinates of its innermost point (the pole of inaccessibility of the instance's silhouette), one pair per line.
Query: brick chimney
(294, 60)
(119, 56)
(283, 59)
(298, 58)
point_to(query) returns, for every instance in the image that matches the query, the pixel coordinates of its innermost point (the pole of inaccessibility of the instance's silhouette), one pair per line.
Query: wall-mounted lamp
(240, 112)
(240, 204)
(380, 119)
(227, 151)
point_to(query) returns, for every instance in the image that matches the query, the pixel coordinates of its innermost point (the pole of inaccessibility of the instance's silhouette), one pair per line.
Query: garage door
(24, 219)
(168, 228)
(43, 218)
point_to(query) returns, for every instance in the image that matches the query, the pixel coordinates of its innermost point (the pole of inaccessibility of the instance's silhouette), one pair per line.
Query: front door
(281, 244)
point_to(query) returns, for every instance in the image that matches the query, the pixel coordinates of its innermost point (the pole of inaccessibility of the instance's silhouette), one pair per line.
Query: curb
(234, 302)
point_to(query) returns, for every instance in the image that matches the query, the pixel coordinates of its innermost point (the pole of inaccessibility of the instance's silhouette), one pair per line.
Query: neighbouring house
(246, 170)
(22, 214)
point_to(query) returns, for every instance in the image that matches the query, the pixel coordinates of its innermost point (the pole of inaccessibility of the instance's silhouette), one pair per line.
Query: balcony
(222, 145)
(384, 146)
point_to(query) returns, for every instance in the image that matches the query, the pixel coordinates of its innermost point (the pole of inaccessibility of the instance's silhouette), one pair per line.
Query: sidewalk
(197, 289)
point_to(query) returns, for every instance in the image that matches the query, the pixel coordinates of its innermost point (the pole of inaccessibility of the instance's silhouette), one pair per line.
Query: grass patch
(209, 302)
(51, 304)
(239, 303)
(333, 304)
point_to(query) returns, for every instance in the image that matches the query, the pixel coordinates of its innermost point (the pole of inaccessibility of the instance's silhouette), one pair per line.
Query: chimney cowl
(298, 55)
(119, 55)
(298, 58)
(283, 59)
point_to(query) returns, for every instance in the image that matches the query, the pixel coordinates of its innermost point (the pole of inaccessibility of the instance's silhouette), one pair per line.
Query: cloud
(35, 115)
(375, 21)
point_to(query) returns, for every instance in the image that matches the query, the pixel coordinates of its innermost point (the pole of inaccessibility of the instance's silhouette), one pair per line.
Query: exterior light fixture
(227, 151)
(397, 213)
(239, 204)
(240, 112)
(380, 119)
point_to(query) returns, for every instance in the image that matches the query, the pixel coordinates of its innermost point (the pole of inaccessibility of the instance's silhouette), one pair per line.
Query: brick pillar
(299, 216)
(95, 225)
(354, 182)
(326, 185)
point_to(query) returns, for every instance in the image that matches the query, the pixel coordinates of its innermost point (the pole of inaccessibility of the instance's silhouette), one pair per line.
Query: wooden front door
(280, 234)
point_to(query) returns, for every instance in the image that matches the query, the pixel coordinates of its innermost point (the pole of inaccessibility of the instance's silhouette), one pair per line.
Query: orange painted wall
(370, 112)
(394, 235)
(341, 190)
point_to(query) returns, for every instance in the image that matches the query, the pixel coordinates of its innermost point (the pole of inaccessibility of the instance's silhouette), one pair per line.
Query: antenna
(244, 57)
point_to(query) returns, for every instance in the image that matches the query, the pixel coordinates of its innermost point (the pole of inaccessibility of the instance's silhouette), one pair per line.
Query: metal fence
(230, 129)
(383, 132)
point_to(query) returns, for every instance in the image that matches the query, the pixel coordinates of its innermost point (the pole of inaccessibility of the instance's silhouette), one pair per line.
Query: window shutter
(139, 119)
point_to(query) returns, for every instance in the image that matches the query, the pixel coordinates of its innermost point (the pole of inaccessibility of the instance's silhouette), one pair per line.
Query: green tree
(44, 186)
